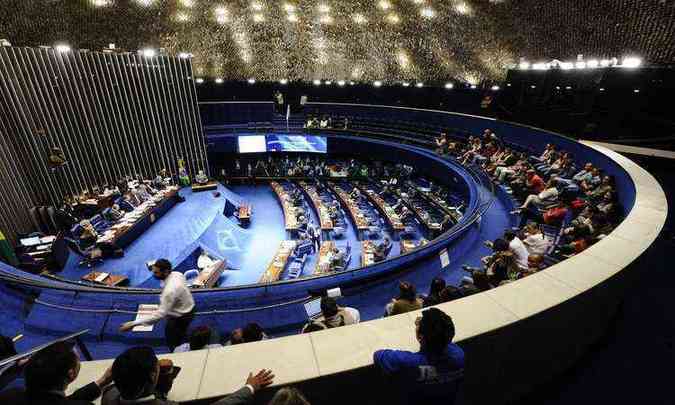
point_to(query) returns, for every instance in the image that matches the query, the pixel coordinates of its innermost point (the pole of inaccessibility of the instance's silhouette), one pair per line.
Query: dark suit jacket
(111, 396)
(83, 396)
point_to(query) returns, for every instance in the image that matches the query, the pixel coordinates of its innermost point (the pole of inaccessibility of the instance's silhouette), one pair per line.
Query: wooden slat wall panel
(111, 114)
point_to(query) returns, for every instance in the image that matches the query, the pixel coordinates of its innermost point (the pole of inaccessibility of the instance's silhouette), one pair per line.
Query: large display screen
(252, 144)
(296, 143)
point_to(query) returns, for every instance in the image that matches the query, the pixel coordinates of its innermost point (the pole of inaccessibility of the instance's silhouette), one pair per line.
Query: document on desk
(144, 310)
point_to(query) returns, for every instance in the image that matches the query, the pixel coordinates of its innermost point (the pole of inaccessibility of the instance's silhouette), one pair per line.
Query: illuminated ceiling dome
(352, 39)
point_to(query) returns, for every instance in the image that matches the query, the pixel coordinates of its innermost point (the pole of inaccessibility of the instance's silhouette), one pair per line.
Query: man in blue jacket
(432, 375)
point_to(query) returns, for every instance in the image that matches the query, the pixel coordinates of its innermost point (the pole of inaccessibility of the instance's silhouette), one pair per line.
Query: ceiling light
(384, 4)
(187, 3)
(199, 80)
(62, 48)
(602, 89)
(428, 12)
(604, 63)
(251, 81)
(101, 3)
(328, 82)
(449, 86)
(359, 18)
(219, 81)
(145, 3)
(377, 83)
(148, 52)
(533, 87)
(289, 8)
(182, 17)
(540, 66)
(566, 65)
(393, 19)
(184, 55)
(419, 85)
(568, 87)
(580, 65)
(473, 87)
(636, 91)
(292, 18)
(351, 83)
(462, 8)
(495, 88)
(326, 19)
(341, 83)
(631, 62)
(524, 65)
(258, 18)
(317, 82)
(256, 6)
(283, 81)
(324, 8)
(406, 84)
(592, 64)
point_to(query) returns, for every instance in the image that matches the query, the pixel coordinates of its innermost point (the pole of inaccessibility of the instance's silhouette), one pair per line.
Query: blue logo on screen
(296, 143)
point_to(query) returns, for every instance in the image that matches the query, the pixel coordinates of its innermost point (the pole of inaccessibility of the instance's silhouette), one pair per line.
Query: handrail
(36, 349)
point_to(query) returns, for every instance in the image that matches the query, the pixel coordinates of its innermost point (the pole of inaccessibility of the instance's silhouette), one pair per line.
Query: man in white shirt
(518, 249)
(175, 303)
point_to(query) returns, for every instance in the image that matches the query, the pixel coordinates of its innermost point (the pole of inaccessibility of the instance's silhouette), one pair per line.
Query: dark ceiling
(387, 40)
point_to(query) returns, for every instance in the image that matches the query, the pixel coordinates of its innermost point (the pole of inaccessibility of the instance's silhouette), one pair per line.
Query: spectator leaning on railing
(139, 379)
(431, 375)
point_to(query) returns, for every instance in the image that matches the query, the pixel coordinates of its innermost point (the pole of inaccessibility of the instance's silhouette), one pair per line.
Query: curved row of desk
(515, 336)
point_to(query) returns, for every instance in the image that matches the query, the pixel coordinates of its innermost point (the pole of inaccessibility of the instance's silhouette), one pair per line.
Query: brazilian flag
(7, 252)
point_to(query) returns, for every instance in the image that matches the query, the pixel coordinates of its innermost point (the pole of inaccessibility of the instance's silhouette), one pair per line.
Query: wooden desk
(142, 217)
(208, 277)
(410, 245)
(279, 262)
(319, 206)
(360, 221)
(367, 253)
(438, 202)
(393, 219)
(245, 212)
(421, 214)
(112, 280)
(211, 185)
(286, 205)
(325, 256)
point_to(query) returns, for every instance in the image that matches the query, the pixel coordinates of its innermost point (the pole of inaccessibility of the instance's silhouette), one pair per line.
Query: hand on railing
(260, 380)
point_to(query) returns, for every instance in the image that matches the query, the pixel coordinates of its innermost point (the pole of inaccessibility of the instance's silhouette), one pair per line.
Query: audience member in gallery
(517, 247)
(431, 375)
(48, 374)
(200, 338)
(535, 241)
(434, 297)
(137, 376)
(333, 316)
(288, 396)
(252, 332)
(407, 300)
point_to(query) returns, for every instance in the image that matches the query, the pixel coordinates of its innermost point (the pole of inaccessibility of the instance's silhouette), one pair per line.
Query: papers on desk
(144, 310)
(101, 277)
(28, 242)
(48, 239)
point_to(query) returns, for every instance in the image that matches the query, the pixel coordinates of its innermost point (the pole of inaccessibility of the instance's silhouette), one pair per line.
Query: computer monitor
(313, 308)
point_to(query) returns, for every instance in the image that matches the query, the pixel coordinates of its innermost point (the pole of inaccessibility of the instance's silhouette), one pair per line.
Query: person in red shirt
(552, 216)
(534, 182)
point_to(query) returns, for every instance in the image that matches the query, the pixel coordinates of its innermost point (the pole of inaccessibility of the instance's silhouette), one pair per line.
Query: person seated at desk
(201, 178)
(200, 338)
(337, 259)
(113, 214)
(405, 214)
(160, 182)
(334, 211)
(355, 194)
(382, 250)
(183, 176)
(302, 222)
(129, 201)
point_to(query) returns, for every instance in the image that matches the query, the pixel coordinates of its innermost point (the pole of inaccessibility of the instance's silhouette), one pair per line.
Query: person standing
(175, 304)
(315, 236)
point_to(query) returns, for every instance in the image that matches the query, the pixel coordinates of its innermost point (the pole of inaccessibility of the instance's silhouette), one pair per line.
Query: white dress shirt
(520, 252)
(537, 244)
(175, 301)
